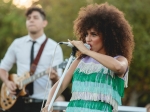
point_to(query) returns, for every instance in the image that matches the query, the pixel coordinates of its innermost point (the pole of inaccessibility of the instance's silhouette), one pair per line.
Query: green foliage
(11, 24)
(62, 13)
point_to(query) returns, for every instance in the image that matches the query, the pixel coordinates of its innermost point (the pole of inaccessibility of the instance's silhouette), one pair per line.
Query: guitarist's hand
(54, 76)
(11, 87)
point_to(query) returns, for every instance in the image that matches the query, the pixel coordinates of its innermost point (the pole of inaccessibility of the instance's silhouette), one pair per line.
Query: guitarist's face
(35, 23)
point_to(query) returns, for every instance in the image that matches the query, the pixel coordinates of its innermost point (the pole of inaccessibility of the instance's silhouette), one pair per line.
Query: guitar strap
(36, 60)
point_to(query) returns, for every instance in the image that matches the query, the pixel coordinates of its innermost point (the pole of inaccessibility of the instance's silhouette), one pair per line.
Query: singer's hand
(45, 109)
(79, 45)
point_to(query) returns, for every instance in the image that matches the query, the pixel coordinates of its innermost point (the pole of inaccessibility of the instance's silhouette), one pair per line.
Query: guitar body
(8, 101)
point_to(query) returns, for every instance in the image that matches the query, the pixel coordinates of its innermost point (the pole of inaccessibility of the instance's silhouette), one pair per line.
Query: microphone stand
(74, 49)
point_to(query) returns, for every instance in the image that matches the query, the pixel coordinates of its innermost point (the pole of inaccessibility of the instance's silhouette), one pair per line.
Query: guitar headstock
(64, 63)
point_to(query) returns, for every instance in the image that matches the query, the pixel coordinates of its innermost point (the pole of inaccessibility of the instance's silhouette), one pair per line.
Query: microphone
(70, 45)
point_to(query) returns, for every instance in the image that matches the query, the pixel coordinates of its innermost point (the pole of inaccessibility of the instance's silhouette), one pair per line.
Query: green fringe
(95, 89)
(92, 105)
(115, 82)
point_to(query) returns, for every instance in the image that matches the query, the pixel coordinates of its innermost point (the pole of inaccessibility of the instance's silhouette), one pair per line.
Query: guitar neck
(34, 77)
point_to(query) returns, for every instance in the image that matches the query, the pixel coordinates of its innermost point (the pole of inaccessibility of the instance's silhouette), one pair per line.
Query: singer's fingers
(45, 109)
(72, 42)
(69, 40)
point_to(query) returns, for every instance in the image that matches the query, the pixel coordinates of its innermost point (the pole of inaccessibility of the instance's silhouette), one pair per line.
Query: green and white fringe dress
(95, 88)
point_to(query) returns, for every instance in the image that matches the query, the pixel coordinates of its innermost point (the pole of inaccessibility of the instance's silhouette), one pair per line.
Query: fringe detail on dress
(91, 67)
(93, 92)
(95, 97)
(83, 105)
(79, 109)
(126, 79)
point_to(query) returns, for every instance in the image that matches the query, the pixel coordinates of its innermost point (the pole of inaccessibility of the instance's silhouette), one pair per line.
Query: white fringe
(126, 79)
(79, 109)
(91, 67)
(95, 97)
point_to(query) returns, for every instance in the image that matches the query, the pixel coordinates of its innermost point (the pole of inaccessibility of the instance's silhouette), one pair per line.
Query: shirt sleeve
(9, 58)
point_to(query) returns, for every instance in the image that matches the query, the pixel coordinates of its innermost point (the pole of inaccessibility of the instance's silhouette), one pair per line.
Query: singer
(100, 74)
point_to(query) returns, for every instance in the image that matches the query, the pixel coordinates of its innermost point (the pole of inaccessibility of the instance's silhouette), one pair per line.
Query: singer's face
(35, 23)
(95, 41)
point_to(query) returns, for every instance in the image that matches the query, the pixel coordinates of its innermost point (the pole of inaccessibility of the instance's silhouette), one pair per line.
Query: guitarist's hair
(35, 8)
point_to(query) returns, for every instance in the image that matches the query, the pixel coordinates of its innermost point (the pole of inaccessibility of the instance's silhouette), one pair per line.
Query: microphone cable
(48, 81)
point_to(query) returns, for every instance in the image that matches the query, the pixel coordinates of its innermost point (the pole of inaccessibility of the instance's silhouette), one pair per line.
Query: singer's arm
(65, 82)
(118, 65)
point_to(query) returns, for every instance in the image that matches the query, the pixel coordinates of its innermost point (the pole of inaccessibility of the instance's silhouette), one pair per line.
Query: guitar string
(48, 81)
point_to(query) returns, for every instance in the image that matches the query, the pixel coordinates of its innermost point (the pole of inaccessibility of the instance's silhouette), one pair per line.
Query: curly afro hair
(111, 23)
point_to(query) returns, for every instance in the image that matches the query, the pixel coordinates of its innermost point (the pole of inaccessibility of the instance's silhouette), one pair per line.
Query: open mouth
(90, 46)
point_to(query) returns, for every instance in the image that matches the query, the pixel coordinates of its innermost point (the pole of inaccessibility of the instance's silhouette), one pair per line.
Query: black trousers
(22, 106)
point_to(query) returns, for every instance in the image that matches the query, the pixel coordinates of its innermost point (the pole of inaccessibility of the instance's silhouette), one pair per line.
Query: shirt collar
(39, 40)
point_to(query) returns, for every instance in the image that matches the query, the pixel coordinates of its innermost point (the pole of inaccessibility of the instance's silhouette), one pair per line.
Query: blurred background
(62, 13)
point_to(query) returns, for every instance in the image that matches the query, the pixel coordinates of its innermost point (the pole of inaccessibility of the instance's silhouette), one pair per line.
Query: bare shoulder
(121, 58)
(123, 61)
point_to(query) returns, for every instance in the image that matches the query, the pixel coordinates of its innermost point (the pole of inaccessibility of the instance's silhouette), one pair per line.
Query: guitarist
(20, 53)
